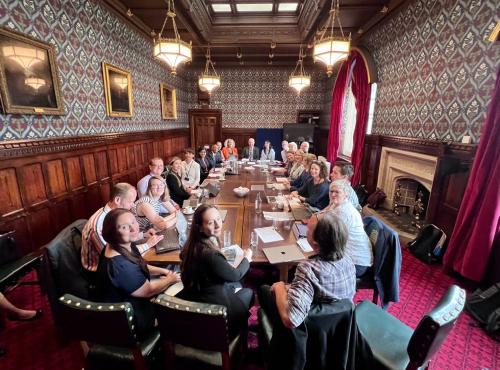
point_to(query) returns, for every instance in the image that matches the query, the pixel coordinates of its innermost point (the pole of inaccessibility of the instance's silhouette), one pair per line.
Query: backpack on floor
(428, 246)
(484, 306)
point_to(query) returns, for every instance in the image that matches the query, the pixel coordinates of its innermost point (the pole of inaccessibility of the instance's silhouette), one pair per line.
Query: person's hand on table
(153, 240)
(172, 277)
(278, 285)
(148, 234)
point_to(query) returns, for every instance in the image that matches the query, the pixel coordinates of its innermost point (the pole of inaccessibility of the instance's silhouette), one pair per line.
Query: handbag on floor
(484, 306)
(428, 246)
(376, 198)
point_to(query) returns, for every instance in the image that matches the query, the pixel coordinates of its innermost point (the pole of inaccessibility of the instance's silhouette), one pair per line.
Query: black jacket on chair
(328, 339)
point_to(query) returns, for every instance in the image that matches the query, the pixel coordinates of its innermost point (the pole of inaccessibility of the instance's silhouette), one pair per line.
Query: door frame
(204, 112)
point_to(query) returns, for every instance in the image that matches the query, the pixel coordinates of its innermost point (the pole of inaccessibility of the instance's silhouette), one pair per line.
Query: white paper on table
(251, 162)
(304, 245)
(259, 165)
(257, 187)
(249, 169)
(268, 234)
(281, 179)
(279, 216)
(218, 169)
(279, 186)
(278, 169)
(270, 186)
(214, 175)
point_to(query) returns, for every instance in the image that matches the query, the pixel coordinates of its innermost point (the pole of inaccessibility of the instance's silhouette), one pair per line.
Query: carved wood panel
(46, 184)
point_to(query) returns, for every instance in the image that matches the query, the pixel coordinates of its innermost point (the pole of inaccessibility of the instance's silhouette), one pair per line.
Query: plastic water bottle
(258, 204)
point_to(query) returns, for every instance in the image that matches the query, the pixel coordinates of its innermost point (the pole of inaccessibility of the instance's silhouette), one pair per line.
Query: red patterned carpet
(34, 345)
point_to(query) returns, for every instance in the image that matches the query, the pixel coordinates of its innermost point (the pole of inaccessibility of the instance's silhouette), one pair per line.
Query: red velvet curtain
(477, 224)
(361, 90)
(338, 97)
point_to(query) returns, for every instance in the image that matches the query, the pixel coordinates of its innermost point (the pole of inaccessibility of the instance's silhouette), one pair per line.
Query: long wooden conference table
(241, 218)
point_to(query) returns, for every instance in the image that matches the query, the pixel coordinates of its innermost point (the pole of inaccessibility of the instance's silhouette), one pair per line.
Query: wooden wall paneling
(156, 149)
(122, 159)
(89, 168)
(101, 160)
(54, 178)
(10, 196)
(32, 184)
(40, 226)
(74, 172)
(113, 161)
(48, 183)
(60, 214)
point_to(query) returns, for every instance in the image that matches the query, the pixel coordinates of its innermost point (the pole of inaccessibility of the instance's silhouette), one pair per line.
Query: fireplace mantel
(453, 162)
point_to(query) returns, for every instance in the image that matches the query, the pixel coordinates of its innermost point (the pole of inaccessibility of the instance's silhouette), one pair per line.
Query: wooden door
(205, 126)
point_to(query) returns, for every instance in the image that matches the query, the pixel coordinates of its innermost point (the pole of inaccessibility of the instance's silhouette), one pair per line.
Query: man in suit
(214, 156)
(251, 152)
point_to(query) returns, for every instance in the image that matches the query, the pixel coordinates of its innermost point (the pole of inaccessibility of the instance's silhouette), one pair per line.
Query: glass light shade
(25, 57)
(331, 50)
(299, 82)
(34, 82)
(173, 52)
(208, 82)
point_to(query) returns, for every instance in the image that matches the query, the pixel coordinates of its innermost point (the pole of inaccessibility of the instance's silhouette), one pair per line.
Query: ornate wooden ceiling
(249, 33)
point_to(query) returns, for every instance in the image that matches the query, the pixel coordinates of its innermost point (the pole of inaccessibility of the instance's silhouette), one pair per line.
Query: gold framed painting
(118, 91)
(168, 102)
(29, 79)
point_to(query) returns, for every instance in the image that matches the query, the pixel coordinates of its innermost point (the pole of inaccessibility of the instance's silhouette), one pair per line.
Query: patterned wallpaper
(259, 97)
(436, 69)
(85, 33)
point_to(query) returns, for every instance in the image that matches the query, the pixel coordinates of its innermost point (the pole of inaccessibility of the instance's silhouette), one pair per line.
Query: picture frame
(117, 91)
(168, 100)
(29, 77)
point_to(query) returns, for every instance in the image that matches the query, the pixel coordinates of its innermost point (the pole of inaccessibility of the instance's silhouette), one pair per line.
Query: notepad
(281, 179)
(268, 234)
(257, 188)
(304, 245)
(279, 216)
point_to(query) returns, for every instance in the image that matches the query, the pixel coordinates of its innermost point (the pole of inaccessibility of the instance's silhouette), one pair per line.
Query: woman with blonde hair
(230, 152)
(174, 181)
(305, 176)
(147, 208)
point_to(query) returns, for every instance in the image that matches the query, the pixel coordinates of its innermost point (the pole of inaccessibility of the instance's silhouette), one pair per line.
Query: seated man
(304, 147)
(344, 171)
(122, 196)
(156, 168)
(251, 152)
(190, 170)
(330, 274)
(215, 156)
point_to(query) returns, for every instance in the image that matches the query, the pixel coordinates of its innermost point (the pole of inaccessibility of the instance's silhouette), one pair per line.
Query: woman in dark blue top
(305, 176)
(315, 191)
(123, 275)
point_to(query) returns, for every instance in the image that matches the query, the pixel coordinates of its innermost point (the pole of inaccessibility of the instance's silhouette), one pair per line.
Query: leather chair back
(198, 325)
(434, 327)
(99, 323)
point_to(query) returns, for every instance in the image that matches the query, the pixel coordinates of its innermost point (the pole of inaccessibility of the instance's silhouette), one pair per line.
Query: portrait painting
(29, 79)
(118, 91)
(168, 102)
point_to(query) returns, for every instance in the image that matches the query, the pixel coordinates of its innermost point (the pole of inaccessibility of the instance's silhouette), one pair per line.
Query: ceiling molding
(121, 10)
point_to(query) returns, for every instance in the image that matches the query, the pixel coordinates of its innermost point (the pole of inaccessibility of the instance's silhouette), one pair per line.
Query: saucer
(186, 212)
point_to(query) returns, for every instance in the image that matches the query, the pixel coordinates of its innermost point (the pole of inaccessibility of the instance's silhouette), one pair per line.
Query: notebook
(287, 253)
(170, 241)
(301, 213)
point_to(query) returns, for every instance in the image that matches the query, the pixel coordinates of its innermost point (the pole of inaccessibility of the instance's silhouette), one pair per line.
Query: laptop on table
(170, 241)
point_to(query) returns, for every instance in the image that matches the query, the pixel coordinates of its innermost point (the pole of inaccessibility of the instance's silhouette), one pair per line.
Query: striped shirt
(143, 221)
(92, 241)
(318, 280)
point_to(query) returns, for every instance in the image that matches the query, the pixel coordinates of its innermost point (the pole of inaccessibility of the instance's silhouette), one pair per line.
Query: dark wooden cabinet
(309, 117)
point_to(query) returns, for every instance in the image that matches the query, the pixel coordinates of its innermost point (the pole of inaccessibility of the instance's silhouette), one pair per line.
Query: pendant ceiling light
(299, 79)
(172, 51)
(209, 79)
(330, 49)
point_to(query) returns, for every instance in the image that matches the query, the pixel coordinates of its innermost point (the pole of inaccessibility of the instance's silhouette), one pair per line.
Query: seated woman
(290, 161)
(206, 274)
(147, 208)
(230, 153)
(174, 181)
(304, 176)
(123, 275)
(327, 275)
(267, 153)
(344, 171)
(315, 191)
(205, 164)
(358, 244)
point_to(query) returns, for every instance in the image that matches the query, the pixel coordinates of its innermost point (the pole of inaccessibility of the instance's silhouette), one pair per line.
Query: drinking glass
(254, 240)
(275, 225)
(227, 238)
